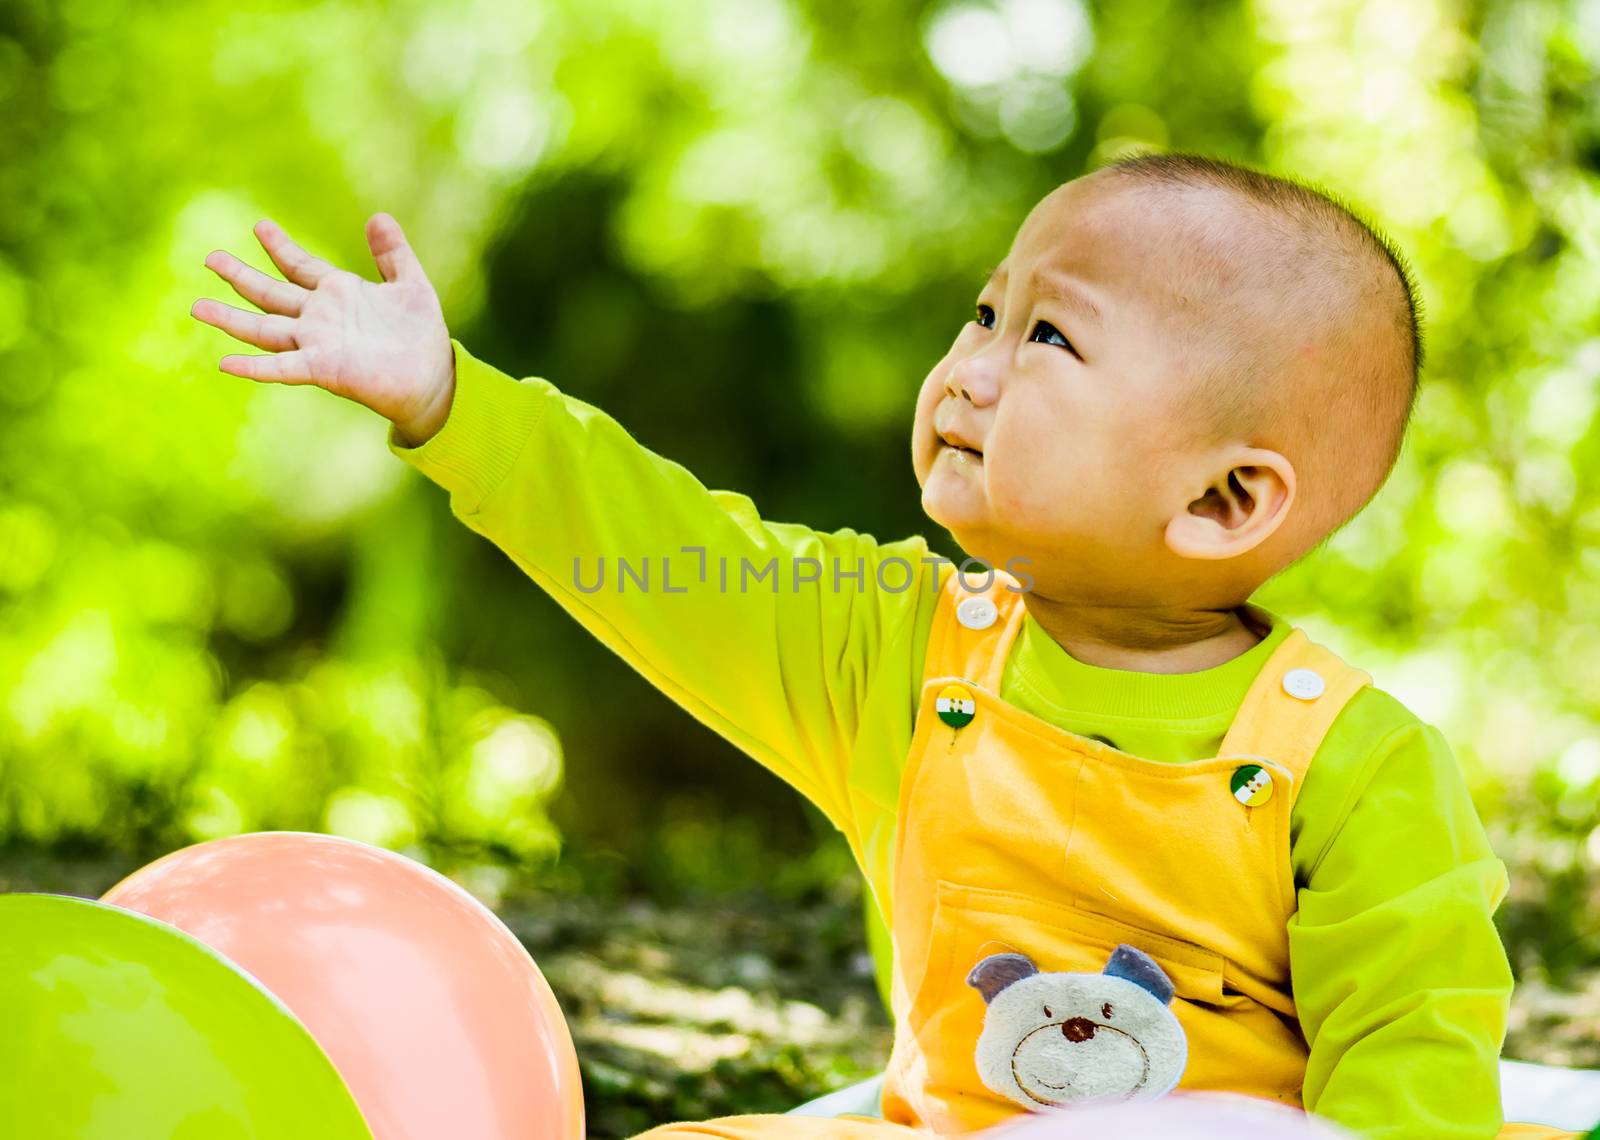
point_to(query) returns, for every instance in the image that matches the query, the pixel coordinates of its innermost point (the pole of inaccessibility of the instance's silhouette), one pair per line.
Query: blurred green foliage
(742, 227)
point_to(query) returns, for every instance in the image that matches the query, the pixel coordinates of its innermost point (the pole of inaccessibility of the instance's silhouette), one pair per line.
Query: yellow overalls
(1015, 835)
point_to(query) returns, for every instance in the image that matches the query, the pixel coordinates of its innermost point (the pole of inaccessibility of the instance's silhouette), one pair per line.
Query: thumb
(391, 251)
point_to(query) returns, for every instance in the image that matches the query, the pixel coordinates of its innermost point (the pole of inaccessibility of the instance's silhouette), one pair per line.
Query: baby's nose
(1078, 1028)
(974, 380)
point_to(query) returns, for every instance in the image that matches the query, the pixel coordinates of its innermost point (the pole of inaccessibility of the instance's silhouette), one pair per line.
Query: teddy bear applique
(1056, 1039)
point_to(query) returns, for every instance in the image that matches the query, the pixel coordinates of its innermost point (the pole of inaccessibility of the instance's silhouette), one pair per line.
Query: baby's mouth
(969, 454)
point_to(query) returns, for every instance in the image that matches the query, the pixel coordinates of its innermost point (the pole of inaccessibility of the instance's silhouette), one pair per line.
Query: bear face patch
(1055, 1039)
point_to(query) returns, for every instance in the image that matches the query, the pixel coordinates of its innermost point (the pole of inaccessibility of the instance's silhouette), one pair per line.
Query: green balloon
(114, 1026)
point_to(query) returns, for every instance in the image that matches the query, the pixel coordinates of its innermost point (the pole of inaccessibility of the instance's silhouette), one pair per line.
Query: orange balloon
(433, 1013)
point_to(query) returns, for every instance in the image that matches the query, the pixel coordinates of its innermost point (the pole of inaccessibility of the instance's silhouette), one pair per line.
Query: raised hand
(383, 345)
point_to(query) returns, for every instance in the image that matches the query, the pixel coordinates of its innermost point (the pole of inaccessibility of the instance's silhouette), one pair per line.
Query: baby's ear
(998, 971)
(1246, 499)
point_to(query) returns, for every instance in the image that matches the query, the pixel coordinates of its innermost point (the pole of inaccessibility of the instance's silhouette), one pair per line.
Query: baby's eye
(1047, 1012)
(1052, 330)
(1105, 1011)
(985, 319)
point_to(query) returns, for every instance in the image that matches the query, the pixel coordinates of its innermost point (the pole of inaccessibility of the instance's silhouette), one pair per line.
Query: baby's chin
(951, 501)
(961, 512)
(956, 496)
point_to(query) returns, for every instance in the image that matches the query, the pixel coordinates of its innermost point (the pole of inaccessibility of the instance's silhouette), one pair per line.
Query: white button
(977, 613)
(1305, 684)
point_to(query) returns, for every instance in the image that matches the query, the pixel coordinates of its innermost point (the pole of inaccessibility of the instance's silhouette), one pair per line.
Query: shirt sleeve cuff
(491, 416)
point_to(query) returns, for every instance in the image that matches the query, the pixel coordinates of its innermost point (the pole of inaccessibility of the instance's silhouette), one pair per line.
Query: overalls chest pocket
(970, 923)
(948, 1012)
(1230, 1038)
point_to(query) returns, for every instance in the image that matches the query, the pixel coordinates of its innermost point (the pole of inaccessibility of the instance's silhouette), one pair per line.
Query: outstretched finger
(266, 293)
(394, 255)
(273, 332)
(297, 265)
(277, 368)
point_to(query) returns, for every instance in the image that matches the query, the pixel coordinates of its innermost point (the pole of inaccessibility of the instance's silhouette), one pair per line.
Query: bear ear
(998, 971)
(1136, 966)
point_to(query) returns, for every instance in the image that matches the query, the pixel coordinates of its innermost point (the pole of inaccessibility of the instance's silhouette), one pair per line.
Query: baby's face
(1065, 382)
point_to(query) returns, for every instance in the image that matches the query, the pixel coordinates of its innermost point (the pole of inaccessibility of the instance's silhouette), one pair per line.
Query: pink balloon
(1186, 1115)
(433, 1013)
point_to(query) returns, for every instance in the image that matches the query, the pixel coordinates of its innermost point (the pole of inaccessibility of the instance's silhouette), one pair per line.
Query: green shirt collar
(1053, 678)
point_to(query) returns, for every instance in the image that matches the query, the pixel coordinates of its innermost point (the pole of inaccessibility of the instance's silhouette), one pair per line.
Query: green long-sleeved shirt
(1399, 977)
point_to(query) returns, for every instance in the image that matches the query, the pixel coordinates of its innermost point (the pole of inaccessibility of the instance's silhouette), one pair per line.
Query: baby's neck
(1144, 640)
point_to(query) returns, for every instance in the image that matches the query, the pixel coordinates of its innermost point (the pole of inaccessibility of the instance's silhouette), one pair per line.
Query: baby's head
(1182, 378)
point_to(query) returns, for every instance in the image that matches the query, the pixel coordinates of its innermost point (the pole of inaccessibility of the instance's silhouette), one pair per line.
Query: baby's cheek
(928, 401)
(924, 438)
(1025, 501)
(923, 446)
(1036, 478)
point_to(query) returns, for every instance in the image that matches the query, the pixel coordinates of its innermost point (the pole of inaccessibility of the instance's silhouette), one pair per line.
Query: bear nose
(1077, 1028)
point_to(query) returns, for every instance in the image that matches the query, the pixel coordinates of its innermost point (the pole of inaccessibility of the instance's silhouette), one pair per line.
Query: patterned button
(977, 613)
(1304, 684)
(956, 706)
(1251, 785)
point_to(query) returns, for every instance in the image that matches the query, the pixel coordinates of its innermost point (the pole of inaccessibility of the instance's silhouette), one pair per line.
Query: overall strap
(967, 640)
(1292, 703)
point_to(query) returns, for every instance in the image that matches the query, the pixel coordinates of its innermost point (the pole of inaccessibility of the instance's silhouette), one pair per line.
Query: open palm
(383, 345)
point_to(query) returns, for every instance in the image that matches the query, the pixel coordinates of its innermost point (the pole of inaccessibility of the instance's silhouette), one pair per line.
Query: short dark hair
(1282, 193)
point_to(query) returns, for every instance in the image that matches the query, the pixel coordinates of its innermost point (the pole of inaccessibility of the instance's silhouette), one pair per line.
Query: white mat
(1531, 1094)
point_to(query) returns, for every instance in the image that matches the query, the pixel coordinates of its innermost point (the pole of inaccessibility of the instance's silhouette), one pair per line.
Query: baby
(1085, 747)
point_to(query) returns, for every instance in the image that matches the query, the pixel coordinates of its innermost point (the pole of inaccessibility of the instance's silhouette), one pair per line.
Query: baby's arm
(779, 665)
(1400, 979)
